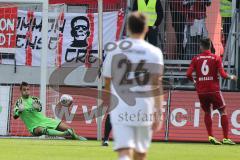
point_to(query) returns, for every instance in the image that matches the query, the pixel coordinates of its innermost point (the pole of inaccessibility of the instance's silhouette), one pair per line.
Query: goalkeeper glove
(21, 108)
(37, 106)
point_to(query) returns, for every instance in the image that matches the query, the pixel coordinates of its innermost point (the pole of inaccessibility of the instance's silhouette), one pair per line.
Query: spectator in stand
(226, 13)
(178, 23)
(153, 9)
(195, 28)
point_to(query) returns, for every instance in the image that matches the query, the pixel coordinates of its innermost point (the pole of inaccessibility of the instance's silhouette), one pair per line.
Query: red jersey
(207, 66)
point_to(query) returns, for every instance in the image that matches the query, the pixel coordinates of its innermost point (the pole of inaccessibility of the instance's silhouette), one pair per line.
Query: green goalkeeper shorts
(46, 123)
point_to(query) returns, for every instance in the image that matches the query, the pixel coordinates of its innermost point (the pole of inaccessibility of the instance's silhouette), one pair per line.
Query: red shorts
(215, 99)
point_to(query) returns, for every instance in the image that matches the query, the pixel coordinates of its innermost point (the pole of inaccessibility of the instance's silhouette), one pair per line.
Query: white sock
(124, 158)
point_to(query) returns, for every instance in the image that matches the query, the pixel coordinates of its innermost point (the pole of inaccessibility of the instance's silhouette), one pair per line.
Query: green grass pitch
(32, 149)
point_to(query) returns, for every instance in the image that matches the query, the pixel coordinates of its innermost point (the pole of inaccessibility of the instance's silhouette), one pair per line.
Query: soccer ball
(66, 100)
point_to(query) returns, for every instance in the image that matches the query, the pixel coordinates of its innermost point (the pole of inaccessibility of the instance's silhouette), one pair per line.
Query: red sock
(225, 126)
(208, 123)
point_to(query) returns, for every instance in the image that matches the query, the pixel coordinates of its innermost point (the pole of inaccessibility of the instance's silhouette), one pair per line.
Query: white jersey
(126, 65)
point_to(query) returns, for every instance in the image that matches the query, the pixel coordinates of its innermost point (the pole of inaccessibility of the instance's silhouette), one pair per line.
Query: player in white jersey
(132, 71)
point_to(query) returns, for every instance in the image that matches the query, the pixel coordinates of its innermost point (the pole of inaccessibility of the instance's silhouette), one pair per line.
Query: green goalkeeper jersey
(32, 116)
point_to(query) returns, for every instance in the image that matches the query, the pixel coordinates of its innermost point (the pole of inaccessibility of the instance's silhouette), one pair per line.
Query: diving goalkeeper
(28, 108)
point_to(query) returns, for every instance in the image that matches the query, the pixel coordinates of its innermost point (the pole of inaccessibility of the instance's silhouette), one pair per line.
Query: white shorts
(136, 137)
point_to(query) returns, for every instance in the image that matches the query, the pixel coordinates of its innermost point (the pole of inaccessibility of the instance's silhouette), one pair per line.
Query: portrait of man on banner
(80, 31)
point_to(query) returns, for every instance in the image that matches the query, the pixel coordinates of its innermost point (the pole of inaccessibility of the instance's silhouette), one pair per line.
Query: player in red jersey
(207, 66)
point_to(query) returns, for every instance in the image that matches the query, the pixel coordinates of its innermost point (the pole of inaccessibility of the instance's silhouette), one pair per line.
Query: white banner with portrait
(71, 37)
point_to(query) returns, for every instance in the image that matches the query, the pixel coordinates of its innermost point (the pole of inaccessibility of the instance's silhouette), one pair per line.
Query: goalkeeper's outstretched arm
(15, 114)
(18, 108)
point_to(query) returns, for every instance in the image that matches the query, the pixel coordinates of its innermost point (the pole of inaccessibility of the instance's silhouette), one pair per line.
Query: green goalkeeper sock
(53, 132)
